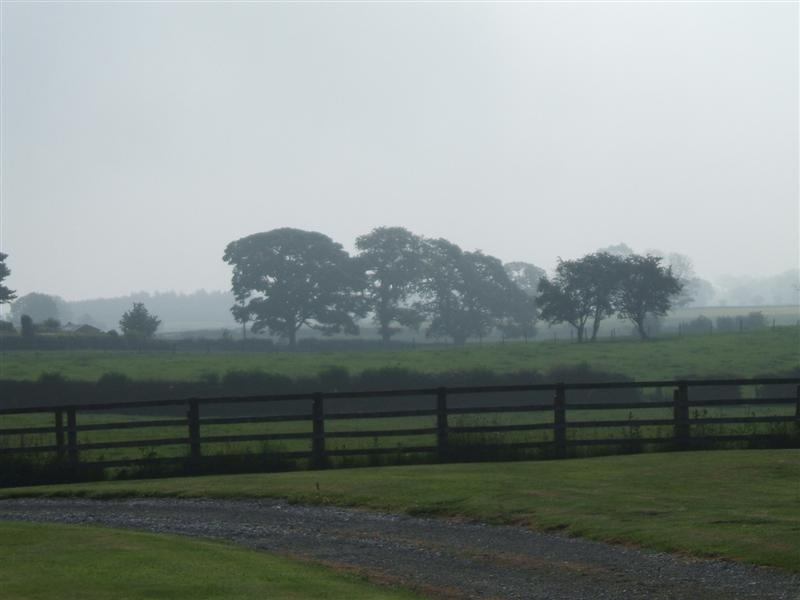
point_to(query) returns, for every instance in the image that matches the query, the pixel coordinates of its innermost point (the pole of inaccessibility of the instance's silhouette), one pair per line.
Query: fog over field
(138, 140)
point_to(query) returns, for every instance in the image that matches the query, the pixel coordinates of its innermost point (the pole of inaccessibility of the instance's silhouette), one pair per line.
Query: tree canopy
(6, 294)
(646, 288)
(392, 260)
(138, 323)
(286, 278)
(566, 297)
(467, 294)
(39, 307)
(526, 276)
(601, 284)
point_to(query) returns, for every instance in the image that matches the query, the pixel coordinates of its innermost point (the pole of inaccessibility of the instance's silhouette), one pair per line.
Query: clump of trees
(285, 279)
(587, 290)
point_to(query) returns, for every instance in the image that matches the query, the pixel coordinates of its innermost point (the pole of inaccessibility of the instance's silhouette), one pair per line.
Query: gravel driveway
(451, 559)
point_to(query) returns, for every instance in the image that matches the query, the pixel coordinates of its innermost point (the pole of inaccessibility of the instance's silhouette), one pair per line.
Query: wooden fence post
(441, 424)
(193, 420)
(72, 437)
(318, 439)
(560, 421)
(680, 414)
(59, 423)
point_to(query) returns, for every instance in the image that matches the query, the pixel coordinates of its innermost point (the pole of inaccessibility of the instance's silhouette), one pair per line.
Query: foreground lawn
(740, 504)
(744, 354)
(69, 561)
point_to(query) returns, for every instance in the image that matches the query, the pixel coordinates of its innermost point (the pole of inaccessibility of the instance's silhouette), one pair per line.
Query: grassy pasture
(68, 561)
(740, 354)
(741, 504)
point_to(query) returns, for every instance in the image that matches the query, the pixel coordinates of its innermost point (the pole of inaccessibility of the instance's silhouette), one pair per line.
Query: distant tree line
(286, 279)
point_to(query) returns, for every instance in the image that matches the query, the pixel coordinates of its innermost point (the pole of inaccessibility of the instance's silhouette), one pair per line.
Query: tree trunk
(642, 332)
(595, 327)
(292, 338)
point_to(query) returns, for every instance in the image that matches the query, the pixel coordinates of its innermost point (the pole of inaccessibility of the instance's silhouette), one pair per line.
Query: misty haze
(401, 300)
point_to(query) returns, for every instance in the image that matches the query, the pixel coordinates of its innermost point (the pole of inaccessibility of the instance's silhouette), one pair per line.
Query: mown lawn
(741, 505)
(740, 354)
(69, 561)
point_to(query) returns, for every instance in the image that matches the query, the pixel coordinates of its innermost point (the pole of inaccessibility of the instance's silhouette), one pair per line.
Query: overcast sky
(139, 139)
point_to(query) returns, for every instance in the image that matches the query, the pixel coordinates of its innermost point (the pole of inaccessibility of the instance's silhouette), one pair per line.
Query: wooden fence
(682, 425)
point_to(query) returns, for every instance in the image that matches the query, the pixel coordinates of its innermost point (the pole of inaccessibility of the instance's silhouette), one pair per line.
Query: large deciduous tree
(604, 271)
(564, 298)
(138, 323)
(581, 290)
(646, 288)
(467, 294)
(286, 278)
(6, 295)
(392, 260)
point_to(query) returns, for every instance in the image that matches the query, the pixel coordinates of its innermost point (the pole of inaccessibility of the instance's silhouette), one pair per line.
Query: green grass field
(739, 354)
(741, 505)
(68, 561)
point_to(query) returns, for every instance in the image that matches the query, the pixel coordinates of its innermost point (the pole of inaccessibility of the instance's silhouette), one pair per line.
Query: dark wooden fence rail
(680, 424)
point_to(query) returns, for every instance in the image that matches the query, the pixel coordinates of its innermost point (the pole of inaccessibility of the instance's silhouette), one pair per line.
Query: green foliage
(138, 323)
(582, 289)
(751, 321)
(646, 289)
(467, 294)
(27, 329)
(51, 325)
(526, 276)
(39, 307)
(701, 324)
(6, 294)
(286, 278)
(392, 260)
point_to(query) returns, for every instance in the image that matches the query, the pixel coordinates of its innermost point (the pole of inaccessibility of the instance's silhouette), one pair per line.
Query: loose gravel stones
(445, 558)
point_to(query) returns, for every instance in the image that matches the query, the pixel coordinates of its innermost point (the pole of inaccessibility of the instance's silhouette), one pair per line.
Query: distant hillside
(176, 311)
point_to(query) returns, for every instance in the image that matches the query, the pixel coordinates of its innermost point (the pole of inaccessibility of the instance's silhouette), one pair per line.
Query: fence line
(66, 447)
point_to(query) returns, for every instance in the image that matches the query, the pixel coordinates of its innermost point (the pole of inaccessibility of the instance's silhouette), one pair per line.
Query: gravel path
(452, 559)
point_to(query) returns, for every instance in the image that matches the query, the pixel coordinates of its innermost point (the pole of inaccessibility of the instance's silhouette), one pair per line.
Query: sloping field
(735, 354)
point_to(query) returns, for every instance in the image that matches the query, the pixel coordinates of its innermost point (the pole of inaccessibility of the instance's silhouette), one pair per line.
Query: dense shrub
(750, 321)
(26, 327)
(701, 324)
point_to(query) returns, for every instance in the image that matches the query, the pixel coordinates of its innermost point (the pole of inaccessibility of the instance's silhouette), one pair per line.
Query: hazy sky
(139, 139)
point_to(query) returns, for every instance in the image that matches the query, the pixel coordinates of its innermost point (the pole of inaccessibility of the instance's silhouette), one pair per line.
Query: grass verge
(94, 563)
(741, 504)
